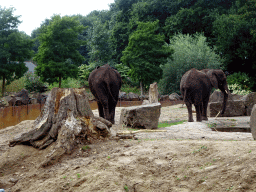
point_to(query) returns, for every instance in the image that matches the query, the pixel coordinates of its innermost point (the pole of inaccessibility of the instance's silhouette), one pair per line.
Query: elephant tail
(185, 96)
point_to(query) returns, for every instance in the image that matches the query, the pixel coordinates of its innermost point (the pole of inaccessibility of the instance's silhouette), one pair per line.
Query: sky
(33, 12)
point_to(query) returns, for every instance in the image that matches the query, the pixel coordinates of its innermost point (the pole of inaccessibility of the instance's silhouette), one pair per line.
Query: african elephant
(105, 83)
(196, 86)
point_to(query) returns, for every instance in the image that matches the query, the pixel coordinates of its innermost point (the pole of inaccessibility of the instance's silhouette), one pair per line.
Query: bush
(237, 89)
(189, 52)
(242, 80)
(33, 83)
(67, 83)
(84, 72)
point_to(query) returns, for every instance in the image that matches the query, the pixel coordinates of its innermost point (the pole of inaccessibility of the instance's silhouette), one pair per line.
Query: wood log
(65, 121)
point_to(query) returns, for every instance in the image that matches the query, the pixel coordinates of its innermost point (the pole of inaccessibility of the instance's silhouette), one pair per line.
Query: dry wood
(139, 131)
(65, 121)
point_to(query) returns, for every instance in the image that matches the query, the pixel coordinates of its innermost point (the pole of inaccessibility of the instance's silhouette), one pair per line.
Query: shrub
(237, 89)
(33, 82)
(189, 52)
(240, 79)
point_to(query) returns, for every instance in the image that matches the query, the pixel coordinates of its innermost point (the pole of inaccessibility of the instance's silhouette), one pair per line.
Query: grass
(15, 86)
(86, 147)
(168, 124)
(67, 83)
(127, 88)
(126, 188)
(211, 125)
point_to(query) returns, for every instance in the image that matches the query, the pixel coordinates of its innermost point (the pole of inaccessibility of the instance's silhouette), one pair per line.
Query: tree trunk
(3, 86)
(65, 121)
(141, 88)
(59, 81)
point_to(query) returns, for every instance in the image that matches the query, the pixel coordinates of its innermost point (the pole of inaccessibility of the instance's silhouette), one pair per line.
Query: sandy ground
(154, 162)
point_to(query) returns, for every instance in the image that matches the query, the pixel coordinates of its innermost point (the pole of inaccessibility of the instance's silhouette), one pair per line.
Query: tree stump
(65, 120)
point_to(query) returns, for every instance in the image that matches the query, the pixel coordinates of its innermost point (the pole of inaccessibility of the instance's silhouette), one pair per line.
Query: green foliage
(242, 79)
(15, 86)
(98, 41)
(238, 89)
(236, 37)
(145, 52)
(168, 124)
(85, 70)
(58, 57)
(128, 88)
(123, 70)
(67, 83)
(15, 47)
(189, 52)
(32, 82)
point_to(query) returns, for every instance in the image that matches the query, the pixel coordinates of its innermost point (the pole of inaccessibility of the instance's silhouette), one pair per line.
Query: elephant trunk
(226, 92)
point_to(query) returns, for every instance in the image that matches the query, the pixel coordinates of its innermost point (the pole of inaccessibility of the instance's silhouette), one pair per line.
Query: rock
(249, 101)
(253, 122)
(234, 108)
(144, 97)
(217, 96)
(24, 95)
(164, 97)
(174, 97)
(133, 96)
(15, 101)
(145, 102)
(20, 98)
(143, 116)
(153, 93)
(123, 96)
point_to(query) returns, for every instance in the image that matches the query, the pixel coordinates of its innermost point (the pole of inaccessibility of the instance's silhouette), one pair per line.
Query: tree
(145, 53)
(196, 16)
(236, 37)
(189, 52)
(15, 47)
(58, 57)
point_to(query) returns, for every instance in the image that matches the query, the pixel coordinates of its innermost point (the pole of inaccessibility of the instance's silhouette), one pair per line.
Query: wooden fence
(10, 116)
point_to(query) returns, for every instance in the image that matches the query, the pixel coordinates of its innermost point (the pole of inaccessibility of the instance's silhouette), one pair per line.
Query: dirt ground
(132, 165)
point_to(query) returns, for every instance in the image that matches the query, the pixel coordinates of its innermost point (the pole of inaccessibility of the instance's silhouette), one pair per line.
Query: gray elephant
(196, 86)
(105, 83)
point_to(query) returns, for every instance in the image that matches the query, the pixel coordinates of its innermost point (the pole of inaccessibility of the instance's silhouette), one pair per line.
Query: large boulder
(253, 122)
(234, 108)
(143, 97)
(249, 101)
(164, 98)
(145, 102)
(153, 93)
(20, 98)
(143, 116)
(217, 96)
(123, 96)
(133, 96)
(174, 97)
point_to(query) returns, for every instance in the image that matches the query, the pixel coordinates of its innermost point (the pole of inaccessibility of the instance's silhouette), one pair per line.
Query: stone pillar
(153, 93)
(253, 122)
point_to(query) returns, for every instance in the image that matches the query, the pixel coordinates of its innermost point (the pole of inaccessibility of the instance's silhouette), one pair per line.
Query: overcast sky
(34, 12)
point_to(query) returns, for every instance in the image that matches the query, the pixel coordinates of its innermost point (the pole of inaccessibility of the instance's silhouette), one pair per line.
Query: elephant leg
(112, 107)
(189, 107)
(198, 112)
(204, 110)
(100, 108)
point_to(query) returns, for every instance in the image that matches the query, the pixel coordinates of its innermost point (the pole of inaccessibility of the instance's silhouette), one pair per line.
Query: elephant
(196, 86)
(105, 83)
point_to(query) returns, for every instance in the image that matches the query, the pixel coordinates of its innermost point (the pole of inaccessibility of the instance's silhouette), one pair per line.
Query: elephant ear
(213, 78)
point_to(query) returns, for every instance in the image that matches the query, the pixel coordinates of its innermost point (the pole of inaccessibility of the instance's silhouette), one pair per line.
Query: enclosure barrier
(10, 116)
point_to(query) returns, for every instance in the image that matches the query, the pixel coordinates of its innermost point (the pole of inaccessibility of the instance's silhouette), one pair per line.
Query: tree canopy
(58, 57)
(145, 53)
(15, 47)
